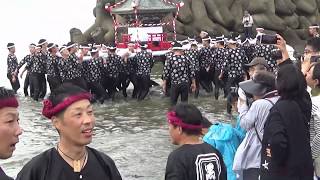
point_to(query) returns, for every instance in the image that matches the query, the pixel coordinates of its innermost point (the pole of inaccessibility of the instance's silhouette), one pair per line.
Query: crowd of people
(277, 101)
(216, 62)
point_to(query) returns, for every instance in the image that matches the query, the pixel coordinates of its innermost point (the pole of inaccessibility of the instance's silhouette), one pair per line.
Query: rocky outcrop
(290, 18)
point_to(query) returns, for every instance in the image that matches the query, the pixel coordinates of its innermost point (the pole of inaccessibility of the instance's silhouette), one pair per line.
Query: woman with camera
(313, 81)
(261, 90)
(286, 152)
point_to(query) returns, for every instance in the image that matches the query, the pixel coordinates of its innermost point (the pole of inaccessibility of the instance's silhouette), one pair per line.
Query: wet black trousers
(54, 82)
(206, 80)
(43, 85)
(179, 90)
(218, 84)
(78, 82)
(26, 85)
(197, 79)
(231, 82)
(124, 81)
(143, 85)
(134, 80)
(38, 84)
(16, 84)
(97, 89)
(110, 84)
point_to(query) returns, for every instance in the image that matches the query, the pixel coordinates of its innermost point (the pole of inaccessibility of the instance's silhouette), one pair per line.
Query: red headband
(9, 102)
(49, 111)
(174, 120)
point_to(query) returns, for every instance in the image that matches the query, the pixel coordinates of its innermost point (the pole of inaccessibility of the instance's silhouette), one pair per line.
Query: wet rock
(291, 21)
(284, 7)
(306, 6)
(269, 21)
(185, 14)
(304, 23)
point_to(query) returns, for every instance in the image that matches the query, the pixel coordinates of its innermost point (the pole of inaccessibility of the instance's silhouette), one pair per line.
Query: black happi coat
(197, 161)
(50, 166)
(112, 66)
(93, 69)
(234, 62)
(178, 70)
(69, 68)
(52, 66)
(265, 50)
(26, 60)
(144, 63)
(12, 63)
(193, 55)
(249, 49)
(206, 57)
(37, 64)
(220, 56)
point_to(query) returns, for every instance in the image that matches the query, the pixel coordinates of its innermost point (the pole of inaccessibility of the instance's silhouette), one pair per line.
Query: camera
(314, 59)
(268, 39)
(276, 54)
(234, 90)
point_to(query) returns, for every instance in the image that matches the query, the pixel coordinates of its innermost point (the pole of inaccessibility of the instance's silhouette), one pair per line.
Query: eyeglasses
(307, 51)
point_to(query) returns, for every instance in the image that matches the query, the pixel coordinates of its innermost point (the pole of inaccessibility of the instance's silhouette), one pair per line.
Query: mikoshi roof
(145, 6)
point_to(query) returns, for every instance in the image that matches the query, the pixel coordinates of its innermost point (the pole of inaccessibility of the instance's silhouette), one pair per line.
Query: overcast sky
(26, 21)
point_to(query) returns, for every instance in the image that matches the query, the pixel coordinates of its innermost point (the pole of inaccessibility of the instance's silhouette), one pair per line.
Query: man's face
(205, 43)
(174, 134)
(12, 50)
(76, 124)
(38, 50)
(84, 51)
(55, 50)
(9, 131)
(310, 81)
(309, 51)
(312, 31)
(32, 50)
(131, 47)
(65, 52)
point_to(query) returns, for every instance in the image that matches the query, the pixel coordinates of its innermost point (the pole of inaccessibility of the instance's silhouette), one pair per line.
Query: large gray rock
(306, 6)
(291, 21)
(284, 7)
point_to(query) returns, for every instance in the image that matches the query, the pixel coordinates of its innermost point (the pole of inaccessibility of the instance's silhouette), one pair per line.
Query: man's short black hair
(316, 72)
(189, 114)
(314, 43)
(6, 93)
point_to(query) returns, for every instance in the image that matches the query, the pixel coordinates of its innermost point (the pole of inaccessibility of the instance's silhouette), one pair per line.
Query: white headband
(42, 43)
(313, 26)
(62, 49)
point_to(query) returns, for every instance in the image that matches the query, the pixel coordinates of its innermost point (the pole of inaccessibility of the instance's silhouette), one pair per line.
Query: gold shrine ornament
(76, 165)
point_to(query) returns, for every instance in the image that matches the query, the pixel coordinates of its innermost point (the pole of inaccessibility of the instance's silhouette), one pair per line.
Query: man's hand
(282, 46)
(193, 87)
(220, 76)
(164, 86)
(13, 79)
(306, 64)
